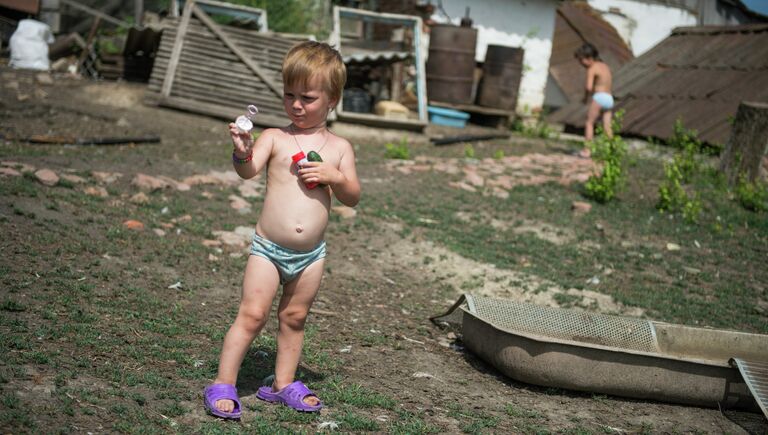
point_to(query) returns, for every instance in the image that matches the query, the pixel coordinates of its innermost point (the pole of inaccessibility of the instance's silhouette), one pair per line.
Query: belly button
(299, 228)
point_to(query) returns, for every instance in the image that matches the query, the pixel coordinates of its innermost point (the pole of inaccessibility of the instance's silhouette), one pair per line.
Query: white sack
(29, 45)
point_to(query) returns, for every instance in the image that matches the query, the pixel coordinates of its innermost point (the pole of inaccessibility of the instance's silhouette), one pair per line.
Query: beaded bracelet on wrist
(238, 160)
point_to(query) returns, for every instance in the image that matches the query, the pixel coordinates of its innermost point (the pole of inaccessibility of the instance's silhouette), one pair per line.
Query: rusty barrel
(451, 63)
(502, 72)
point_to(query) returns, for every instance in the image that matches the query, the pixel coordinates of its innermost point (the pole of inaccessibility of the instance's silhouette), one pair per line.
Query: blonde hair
(311, 59)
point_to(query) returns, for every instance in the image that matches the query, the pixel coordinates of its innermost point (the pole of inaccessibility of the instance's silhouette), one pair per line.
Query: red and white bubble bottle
(300, 160)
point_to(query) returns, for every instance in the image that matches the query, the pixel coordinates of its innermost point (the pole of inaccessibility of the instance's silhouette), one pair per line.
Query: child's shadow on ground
(258, 367)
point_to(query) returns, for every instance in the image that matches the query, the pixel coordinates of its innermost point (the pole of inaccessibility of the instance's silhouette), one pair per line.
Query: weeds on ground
(676, 192)
(540, 129)
(469, 151)
(682, 137)
(673, 197)
(752, 195)
(609, 153)
(473, 421)
(518, 412)
(398, 151)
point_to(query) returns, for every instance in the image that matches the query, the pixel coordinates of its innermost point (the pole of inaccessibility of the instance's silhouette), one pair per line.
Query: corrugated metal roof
(375, 57)
(575, 24)
(699, 74)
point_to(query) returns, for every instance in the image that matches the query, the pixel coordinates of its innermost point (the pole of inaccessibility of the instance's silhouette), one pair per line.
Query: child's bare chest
(282, 164)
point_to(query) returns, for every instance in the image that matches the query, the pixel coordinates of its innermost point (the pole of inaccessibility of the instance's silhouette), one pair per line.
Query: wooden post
(138, 12)
(89, 43)
(748, 143)
(173, 62)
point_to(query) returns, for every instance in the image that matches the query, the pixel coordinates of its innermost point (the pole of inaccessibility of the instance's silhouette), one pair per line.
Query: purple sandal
(292, 395)
(215, 392)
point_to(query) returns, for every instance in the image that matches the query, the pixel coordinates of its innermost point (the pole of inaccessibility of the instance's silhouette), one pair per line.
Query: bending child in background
(288, 247)
(598, 87)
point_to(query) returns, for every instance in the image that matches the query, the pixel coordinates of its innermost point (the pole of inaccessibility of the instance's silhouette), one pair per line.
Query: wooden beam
(88, 43)
(177, 45)
(202, 16)
(226, 112)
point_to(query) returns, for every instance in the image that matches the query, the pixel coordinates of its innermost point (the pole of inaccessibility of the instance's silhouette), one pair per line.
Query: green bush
(674, 198)
(689, 145)
(751, 195)
(683, 137)
(680, 171)
(688, 139)
(399, 151)
(290, 16)
(609, 153)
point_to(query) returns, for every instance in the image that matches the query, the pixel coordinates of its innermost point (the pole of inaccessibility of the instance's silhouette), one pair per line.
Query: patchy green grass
(715, 279)
(93, 335)
(473, 421)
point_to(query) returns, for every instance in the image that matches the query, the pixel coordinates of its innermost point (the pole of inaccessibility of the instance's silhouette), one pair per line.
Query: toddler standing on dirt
(597, 92)
(288, 247)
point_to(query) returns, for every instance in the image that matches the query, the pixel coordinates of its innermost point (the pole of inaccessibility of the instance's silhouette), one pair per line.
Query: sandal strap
(222, 391)
(297, 392)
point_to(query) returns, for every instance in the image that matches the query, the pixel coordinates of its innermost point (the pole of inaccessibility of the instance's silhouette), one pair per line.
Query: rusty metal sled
(615, 355)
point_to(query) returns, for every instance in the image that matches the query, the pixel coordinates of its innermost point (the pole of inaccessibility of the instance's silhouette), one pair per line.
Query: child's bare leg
(589, 126)
(607, 119)
(259, 289)
(292, 312)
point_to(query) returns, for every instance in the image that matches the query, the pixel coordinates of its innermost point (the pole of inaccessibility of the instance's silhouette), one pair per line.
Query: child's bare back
(601, 77)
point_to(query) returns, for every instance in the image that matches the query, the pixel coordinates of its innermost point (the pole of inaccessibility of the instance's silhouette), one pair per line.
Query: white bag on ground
(29, 45)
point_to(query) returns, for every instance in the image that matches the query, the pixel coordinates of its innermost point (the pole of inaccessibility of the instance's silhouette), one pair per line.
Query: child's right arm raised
(249, 158)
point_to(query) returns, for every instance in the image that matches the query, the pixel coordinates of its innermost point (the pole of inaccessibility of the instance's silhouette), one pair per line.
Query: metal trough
(614, 355)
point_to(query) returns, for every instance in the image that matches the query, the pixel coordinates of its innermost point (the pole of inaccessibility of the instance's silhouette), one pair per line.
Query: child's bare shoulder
(339, 143)
(271, 133)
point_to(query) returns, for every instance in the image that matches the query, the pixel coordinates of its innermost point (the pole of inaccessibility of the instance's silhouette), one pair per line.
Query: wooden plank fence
(218, 70)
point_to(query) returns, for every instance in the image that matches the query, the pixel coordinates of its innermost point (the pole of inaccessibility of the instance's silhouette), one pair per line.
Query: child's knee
(293, 318)
(252, 318)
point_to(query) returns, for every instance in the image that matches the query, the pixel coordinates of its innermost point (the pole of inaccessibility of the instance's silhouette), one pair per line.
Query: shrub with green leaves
(682, 137)
(608, 153)
(689, 144)
(398, 151)
(752, 195)
(291, 16)
(673, 197)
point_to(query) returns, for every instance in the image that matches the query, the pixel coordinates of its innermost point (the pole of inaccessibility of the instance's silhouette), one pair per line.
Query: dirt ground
(384, 280)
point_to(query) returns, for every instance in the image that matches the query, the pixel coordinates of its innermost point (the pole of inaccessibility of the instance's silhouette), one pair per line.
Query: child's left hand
(320, 172)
